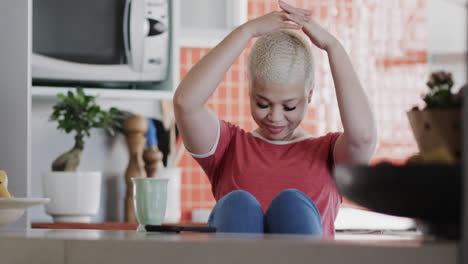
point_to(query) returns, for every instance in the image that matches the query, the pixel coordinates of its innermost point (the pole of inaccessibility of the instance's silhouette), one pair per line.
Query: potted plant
(75, 195)
(437, 126)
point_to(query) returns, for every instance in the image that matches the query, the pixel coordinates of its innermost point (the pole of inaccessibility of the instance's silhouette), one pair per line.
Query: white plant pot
(74, 196)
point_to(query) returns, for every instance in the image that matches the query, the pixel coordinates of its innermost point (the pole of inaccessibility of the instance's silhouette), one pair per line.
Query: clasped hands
(291, 17)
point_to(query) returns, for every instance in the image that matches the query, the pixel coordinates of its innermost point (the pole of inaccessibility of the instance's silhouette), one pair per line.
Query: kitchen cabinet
(201, 23)
(204, 23)
(161, 90)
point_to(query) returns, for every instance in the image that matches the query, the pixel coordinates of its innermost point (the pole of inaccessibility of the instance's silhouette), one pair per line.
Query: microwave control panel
(156, 43)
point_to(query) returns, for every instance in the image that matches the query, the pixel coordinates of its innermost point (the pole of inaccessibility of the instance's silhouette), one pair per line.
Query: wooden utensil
(135, 126)
(153, 161)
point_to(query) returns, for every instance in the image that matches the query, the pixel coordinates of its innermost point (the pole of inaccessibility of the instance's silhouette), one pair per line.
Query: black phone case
(177, 229)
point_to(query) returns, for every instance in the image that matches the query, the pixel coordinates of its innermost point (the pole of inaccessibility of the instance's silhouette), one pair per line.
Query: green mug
(150, 195)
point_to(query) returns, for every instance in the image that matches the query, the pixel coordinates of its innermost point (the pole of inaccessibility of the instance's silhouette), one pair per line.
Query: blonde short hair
(283, 56)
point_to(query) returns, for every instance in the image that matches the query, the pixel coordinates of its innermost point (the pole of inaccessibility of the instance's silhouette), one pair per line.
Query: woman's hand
(317, 34)
(270, 22)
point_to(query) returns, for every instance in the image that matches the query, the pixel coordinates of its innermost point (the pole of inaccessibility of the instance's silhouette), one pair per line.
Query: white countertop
(99, 246)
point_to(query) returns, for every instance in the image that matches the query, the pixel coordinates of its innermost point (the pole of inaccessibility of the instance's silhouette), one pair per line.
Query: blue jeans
(290, 212)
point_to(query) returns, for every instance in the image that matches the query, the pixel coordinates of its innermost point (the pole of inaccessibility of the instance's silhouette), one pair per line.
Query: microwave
(104, 42)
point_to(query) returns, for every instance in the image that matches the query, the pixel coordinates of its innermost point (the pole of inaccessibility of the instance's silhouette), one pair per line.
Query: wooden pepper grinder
(153, 161)
(135, 127)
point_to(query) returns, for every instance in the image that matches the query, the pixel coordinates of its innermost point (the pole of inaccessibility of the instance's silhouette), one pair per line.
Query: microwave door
(56, 68)
(146, 38)
(44, 67)
(134, 37)
(145, 43)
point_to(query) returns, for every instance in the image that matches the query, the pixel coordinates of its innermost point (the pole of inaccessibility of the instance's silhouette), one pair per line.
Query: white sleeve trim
(213, 148)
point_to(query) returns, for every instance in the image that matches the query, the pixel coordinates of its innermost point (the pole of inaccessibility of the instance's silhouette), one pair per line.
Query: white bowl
(11, 209)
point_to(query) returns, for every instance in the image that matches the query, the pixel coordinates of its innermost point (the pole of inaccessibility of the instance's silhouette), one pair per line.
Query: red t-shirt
(241, 160)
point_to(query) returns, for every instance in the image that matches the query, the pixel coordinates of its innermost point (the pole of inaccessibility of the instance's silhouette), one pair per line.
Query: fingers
(293, 10)
(299, 19)
(289, 21)
(289, 25)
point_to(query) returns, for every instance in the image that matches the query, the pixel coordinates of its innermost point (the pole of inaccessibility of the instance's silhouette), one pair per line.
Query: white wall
(15, 99)
(215, 20)
(447, 21)
(447, 37)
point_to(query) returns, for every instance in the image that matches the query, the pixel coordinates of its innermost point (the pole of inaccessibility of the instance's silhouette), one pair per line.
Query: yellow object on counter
(438, 155)
(4, 185)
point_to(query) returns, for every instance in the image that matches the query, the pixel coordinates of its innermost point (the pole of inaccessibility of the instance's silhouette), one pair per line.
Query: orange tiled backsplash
(387, 44)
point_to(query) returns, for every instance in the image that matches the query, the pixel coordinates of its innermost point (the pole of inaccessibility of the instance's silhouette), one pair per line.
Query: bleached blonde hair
(283, 57)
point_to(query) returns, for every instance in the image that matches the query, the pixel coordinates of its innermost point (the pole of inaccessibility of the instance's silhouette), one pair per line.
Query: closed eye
(289, 108)
(262, 105)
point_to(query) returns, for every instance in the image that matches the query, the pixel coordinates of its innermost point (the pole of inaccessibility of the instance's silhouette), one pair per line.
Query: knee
(241, 197)
(291, 211)
(291, 191)
(293, 197)
(290, 194)
(239, 212)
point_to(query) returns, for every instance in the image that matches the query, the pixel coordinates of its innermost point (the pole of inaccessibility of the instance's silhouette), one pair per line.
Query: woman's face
(278, 109)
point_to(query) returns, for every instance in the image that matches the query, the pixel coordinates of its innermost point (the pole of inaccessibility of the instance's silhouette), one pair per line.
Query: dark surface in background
(163, 139)
(67, 30)
(163, 136)
(429, 193)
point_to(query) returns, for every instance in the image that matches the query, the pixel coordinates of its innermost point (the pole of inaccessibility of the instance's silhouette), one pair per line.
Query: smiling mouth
(274, 129)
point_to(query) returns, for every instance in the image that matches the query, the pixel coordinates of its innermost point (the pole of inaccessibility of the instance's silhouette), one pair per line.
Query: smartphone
(177, 229)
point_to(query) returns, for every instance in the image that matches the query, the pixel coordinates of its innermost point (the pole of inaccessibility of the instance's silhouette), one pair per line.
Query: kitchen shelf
(51, 92)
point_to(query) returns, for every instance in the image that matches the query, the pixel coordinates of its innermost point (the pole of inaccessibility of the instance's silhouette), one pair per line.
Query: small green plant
(440, 95)
(78, 113)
